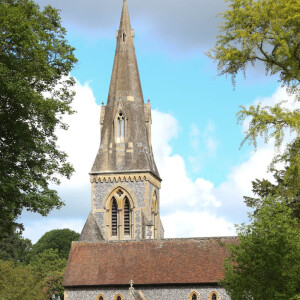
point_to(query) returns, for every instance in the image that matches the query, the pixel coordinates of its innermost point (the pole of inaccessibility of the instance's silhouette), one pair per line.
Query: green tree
(17, 282)
(260, 30)
(46, 264)
(265, 264)
(267, 31)
(58, 239)
(14, 247)
(35, 62)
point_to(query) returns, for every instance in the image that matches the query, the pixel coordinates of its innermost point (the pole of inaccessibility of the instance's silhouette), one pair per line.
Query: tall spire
(125, 20)
(125, 120)
(125, 78)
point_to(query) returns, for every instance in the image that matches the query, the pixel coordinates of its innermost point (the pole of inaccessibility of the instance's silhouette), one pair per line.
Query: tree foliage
(14, 247)
(58, 239)
(267, 31)
(35, 61)
(53, 285)
(260, 30)
(266, 262)
(273, 123)
(17, 282)
(47, 263)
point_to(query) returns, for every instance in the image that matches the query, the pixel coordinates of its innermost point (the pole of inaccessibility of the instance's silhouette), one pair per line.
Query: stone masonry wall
(150, 293)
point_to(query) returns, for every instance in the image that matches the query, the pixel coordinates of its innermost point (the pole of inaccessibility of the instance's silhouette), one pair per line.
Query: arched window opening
(124, 36)
(194, 296)
(100, 297)
(121, 126)
(154, 212)
(214, 296)
(118, 297)
(114, 218)
(126, 217)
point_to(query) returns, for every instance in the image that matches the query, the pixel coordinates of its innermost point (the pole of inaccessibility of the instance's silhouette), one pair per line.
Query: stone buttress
(125, 180)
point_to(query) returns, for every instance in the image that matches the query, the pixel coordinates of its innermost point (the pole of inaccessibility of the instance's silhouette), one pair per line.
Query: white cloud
(196, 224)
(188, 207)
(81, 141)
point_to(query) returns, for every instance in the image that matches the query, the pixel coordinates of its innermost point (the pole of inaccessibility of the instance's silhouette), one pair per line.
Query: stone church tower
(125, 180)
(122, 240)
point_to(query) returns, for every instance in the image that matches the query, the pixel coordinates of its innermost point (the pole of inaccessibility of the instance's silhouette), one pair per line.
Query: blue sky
(195, 132)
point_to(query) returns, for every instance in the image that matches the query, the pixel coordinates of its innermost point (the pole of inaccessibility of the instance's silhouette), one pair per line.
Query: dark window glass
(194, 297)
(213, 296)
(114, 218)
(101, 298)
(119, 298)
(126, 217)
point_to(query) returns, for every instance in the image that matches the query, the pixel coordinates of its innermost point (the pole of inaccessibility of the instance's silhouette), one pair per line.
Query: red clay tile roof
(169, 261)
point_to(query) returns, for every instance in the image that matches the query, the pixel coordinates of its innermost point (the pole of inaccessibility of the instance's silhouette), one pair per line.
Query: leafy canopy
(266, 262)
(58, 239)
(17, 282)
(267, 31)
(14, 247)
(35, 61)
(260, 30)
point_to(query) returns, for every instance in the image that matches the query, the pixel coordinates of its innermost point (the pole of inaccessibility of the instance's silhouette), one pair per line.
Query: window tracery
(119, 215)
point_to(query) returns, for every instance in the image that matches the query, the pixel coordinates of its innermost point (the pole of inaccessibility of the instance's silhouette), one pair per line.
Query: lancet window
(214, 296)
(194, 296)
(120, 127)
(114, 218)
(154, 212)
(126, 217)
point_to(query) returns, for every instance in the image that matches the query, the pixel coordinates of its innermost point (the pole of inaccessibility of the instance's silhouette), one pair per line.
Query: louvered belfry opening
(126, 217)
(114, 218)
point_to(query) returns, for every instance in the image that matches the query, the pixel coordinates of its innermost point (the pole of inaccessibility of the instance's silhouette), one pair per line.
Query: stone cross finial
(131, 284)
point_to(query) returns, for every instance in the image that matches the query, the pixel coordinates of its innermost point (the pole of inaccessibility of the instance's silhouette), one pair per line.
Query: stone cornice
(125, 177)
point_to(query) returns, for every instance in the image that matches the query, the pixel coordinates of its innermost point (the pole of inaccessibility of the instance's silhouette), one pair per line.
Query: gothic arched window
(124, 36)
(154, 213)
(100, 297)
(121, 126)
(126, 217)
(119, 215)
(194, 296)
(114, 218)
(214, 296)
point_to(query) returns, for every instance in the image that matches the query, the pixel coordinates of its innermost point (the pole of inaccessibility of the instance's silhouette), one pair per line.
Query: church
(122, 253)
